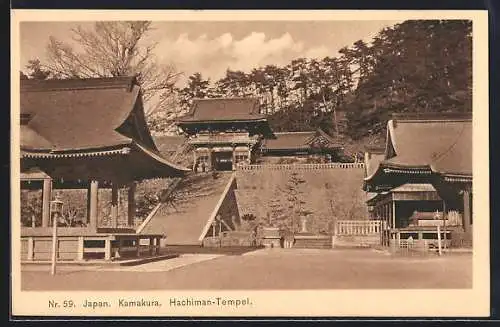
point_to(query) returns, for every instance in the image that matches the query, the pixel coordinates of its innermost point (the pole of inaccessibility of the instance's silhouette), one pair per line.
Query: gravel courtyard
(264, 269)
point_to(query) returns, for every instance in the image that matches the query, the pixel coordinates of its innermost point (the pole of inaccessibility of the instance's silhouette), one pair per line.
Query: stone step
(198, 196)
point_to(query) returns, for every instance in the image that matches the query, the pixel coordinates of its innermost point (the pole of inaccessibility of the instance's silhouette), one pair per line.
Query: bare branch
(110, 49)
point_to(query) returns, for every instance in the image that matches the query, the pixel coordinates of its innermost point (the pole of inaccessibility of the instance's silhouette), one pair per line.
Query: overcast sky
(212, 47)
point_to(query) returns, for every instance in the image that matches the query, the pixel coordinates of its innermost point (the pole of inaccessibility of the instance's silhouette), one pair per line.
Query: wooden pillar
(107, 249)
(114, 205)
(138, 246)
(390, 218)
(46, 197)
(92, 204)
(394, 213)
(151, 246)
(210, 161)
(157, 245)
(79, 255)
(31, 249)
(131, 204)
(444, 223)
(234, 158)
(467, 211)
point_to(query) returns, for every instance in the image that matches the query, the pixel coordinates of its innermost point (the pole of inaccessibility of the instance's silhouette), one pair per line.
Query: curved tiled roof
(443, 145)
(223, 109)
(86, 117)
(78, 114)
(289, 140)
(437, 143)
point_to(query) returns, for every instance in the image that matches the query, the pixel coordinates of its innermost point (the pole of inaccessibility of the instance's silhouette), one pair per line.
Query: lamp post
(56, 207)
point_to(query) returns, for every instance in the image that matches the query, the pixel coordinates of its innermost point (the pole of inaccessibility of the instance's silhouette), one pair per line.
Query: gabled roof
(417, 188)
(289, 140)
(223, 109)
(76, 118)
(299, 140)
(76, 114)
(440, 144)
(423, 187)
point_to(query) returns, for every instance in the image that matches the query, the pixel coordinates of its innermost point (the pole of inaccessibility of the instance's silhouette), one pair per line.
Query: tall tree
(196, 87)
(110, 49)
(415, 66)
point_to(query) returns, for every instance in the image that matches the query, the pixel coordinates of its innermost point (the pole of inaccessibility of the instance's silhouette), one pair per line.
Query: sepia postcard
(250, 163)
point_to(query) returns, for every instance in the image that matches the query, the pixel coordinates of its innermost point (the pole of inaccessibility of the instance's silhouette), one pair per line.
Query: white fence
(312, 166)
(358, 227)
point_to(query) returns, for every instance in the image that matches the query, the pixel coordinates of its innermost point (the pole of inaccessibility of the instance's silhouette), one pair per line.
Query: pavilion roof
(299, 140)
(223, 110)
(76, 118)
(414, 187)
(77, 114)
(443, 144)
(440, 144)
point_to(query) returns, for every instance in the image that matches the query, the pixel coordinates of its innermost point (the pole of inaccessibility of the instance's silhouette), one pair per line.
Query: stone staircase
(317, 242)
(356, 241)
(184, 218)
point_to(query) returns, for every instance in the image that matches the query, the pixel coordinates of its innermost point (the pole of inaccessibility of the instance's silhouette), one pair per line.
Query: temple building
(226, 132)
(424, 175)
(302, 145)
(88, 135)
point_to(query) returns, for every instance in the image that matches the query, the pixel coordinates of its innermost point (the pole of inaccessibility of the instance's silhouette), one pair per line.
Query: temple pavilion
(423, 177)
(226, 132)
(302, 144)
(90, 135)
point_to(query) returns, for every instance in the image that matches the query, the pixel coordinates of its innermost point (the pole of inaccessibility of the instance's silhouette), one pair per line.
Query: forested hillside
(415, 66)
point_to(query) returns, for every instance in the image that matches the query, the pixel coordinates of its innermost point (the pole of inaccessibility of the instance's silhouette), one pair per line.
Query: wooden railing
(79, 246)
(311, 166)
(358, 227)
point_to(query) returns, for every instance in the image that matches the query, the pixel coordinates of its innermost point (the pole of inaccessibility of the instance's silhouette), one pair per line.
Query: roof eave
(162, 160)
(25, 153)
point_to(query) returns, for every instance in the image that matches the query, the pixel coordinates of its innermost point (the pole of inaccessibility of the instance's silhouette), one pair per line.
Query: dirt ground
(265, 269)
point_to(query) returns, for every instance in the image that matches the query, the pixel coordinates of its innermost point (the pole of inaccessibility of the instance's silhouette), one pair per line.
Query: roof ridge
(79, 83)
